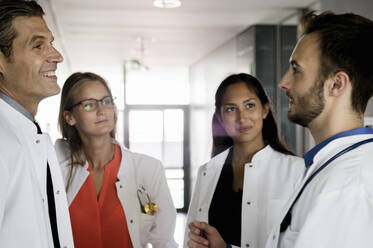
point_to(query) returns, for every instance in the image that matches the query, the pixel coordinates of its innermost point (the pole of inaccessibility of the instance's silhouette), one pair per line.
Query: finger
(206, 228)
(194, 224)
(193, 228)
(192, 244)
(198, 239)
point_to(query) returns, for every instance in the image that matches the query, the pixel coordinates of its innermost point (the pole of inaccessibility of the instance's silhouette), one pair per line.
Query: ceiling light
(167, 3)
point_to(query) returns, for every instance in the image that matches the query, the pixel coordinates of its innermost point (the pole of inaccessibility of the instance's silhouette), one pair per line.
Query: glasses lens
(89, 105)
(107, 101)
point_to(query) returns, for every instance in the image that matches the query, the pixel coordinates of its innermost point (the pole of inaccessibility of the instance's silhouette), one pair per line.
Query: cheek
(83, 120)
(111, 115)
(229, 125)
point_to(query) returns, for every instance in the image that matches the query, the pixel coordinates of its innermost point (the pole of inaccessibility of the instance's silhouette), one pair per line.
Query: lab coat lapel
(79, 175)
(210, 177)
(127, 194)
(27, 133)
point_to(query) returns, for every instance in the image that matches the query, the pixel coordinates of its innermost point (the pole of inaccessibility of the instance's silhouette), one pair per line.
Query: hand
(202, 235)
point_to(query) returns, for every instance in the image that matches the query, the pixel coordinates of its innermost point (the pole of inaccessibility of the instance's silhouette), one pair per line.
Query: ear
(339, 84)
(2, 63)
(69, 118)
(265, 110)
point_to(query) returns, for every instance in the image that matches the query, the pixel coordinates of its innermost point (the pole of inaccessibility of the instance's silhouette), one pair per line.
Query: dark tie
(51, 203)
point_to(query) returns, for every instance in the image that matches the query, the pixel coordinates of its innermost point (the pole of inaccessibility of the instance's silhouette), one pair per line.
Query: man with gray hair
(33, 206)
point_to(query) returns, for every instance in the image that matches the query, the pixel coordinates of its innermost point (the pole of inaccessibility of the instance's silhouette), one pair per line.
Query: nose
(242, 115)
(285, 81)
(55, 56)
(99, 108)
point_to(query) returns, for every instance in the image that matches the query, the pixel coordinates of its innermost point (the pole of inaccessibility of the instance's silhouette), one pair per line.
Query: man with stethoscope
(329, 83)
(33, 206)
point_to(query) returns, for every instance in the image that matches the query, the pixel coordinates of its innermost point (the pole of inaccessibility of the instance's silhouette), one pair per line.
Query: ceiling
(108, 32)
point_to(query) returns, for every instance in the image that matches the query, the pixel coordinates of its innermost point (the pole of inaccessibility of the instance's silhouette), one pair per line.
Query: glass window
(157, 86)
(160, 134)
(145, 126)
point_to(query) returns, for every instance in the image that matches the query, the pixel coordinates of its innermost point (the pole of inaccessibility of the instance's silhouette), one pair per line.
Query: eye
(37, 46)
(107, 101)
(295, 70)
(250, 105)
(88, 106)
(229, 109)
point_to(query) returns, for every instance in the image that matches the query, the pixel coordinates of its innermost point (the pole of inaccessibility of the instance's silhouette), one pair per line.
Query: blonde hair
(70, 133)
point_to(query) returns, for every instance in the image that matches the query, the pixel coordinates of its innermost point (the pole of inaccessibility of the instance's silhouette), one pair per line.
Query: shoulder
(140, 161)
(356, 169)
(350, 172)
(62, 150)
(218, 159)
(285, 160)
(8, 132)
(287, 167)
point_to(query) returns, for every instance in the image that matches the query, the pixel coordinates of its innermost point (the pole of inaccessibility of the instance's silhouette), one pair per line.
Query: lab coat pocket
(289, 237)
(147, 223)
(273, 212)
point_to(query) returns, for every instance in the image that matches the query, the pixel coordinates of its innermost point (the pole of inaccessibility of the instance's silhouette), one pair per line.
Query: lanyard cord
(287, 220)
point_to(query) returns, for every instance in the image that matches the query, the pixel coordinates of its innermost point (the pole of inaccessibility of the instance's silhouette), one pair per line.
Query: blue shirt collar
(308, 157)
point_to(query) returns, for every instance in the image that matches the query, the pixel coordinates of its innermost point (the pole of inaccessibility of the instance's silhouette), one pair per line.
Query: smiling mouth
(244, 129)
(49, 74)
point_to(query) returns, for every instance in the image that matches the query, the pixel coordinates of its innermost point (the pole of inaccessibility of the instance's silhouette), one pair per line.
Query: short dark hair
(346, 44)
(9, 10)
(221, 140)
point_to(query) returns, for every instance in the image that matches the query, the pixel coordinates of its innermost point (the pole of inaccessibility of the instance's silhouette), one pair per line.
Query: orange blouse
(100, 223)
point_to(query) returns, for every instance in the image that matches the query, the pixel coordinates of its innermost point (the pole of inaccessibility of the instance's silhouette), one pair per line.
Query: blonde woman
(117, 198)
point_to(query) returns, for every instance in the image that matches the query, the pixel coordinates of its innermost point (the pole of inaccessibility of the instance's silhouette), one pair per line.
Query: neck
(325, 128)
(98, 150)
(30, 106)
(244, 152)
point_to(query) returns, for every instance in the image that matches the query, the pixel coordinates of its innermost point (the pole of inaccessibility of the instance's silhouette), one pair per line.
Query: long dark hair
(221, 140)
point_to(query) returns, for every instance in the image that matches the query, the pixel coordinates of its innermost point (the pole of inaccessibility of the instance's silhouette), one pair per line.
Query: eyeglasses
(92, 104)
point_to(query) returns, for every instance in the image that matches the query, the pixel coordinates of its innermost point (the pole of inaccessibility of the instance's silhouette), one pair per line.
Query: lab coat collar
(221, 157)
(14, 104)
(20, 123)
(333, 147)
(262, 154)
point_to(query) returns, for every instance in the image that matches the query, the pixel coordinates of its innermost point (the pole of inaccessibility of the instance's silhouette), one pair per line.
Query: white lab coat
(336, 208)
(269, 180)
(135, 170)
(24, 218)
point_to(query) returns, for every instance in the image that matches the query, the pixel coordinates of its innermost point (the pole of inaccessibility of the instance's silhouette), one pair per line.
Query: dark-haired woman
(252, 174)
(117, 198)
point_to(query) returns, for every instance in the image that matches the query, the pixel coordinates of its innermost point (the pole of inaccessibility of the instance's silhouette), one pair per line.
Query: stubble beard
(311, 104)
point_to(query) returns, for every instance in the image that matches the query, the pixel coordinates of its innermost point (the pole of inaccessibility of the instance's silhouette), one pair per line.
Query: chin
(52, 91)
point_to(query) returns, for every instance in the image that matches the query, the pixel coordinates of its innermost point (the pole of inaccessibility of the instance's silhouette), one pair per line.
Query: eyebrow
(245, 101)
(39, 37)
